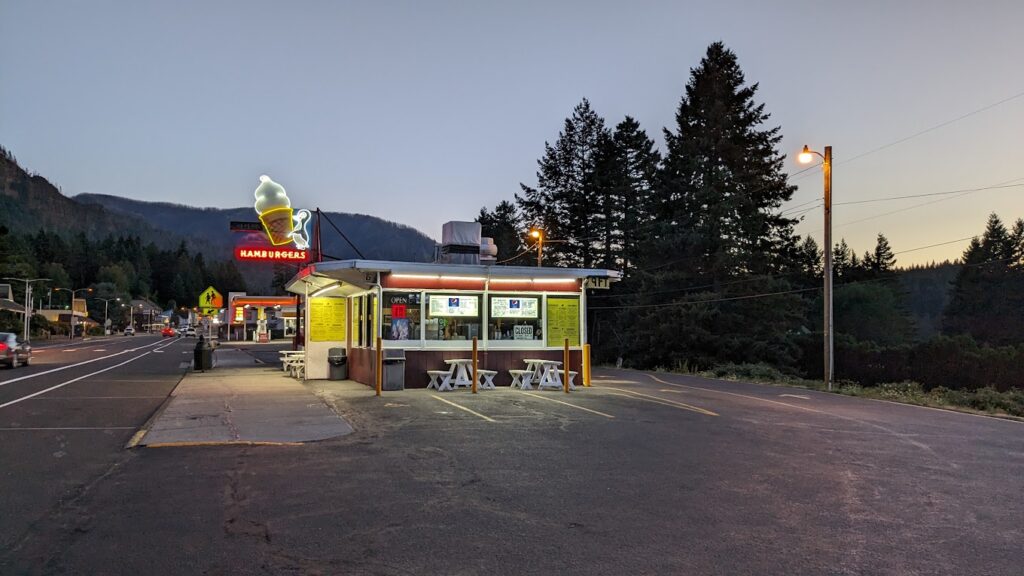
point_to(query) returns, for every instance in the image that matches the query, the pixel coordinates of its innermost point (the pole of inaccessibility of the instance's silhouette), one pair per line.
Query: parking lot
(644, 473)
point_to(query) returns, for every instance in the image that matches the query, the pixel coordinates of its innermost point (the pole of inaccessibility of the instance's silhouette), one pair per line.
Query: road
(644, 473)
(65, 419)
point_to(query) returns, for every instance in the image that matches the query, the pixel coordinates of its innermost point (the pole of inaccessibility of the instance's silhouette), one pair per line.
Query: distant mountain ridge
(376, 238)
(29, 202)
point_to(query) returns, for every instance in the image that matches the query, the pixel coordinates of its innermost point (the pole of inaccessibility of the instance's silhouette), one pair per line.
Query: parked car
(14, 352)
(190, 331)
(168, 332)
(129, 331)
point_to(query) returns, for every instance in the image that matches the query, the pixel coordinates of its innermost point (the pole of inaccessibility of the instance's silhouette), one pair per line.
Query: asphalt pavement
(644, 473)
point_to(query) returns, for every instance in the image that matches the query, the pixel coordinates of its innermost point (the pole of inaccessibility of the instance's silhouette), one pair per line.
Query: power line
(781, 292)
(933, 128)
(890, 198)
(529, 248)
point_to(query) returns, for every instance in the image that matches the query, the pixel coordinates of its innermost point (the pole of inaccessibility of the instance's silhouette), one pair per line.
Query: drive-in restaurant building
(433, 311)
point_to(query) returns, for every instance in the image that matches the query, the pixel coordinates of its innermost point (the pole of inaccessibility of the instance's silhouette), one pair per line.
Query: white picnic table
(460, 374)
(545, 373)
(292, 360)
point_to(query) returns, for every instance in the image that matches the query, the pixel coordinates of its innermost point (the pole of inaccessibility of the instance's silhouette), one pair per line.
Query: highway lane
(55, 362)
(64, 420)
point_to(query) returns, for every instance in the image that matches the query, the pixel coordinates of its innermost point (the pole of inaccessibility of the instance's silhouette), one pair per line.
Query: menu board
(462, 305)
(504, 307)
(327, 319)
(563, 321)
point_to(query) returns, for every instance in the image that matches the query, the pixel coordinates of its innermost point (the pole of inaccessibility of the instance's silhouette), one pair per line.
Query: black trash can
(394, 369)
(337, 361)
(202, 356)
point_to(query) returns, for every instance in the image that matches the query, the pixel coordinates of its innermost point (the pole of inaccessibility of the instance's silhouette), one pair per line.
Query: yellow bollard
(565, 367)
(474, 365)
(586, 365)
(380, 365)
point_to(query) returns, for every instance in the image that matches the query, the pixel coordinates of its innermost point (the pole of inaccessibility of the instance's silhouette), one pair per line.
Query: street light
(28, 303)
(106, 302)
(539, 235)
(806, 157)
(71, 322)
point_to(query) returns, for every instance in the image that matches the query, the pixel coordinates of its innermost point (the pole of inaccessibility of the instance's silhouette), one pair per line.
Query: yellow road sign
(210, 299)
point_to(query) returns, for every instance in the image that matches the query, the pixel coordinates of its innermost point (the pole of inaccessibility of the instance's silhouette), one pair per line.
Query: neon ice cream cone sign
(282, 224)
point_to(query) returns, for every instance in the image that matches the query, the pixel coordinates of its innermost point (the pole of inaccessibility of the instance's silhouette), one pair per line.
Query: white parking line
(71, 428)
(542, 397)
(83, 363)
(640, 396)
(459, 406)
(73, 380)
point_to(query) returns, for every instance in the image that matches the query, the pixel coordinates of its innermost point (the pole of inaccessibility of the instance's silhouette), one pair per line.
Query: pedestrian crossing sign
(210, 301)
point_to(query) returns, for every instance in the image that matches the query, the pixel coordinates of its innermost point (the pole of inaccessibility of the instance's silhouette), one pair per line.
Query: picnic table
(293, 361)
(459, 374)
(545, 373)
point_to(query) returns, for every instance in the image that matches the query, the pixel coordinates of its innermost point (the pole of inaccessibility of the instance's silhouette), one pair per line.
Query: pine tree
(504, 226)
(567, 204)
(844, 260)
(717, 220)
(633, 173)
(987, 301)
(882, 260)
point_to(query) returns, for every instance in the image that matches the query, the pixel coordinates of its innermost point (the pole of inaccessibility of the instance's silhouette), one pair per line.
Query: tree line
(114, 267)
(713, 271)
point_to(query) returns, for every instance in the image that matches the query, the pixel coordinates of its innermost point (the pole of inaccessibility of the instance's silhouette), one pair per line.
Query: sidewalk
(241, 402)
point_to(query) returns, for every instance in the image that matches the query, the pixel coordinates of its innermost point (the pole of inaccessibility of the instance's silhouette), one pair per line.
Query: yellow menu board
(327, 319)
(563, 320)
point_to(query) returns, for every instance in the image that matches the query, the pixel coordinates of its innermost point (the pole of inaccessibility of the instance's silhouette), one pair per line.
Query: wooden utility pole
(827, 171)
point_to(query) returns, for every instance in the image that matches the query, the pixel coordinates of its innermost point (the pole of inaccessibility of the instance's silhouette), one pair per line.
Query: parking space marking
(70, 428)
(655, 399)
(460, 407)
(542, 397)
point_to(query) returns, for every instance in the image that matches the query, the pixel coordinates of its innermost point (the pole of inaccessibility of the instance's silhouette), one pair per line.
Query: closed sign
(522, 332)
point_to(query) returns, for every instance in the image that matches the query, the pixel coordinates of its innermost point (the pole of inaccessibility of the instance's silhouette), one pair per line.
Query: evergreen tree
(567, 204)
(843, 260)
(987, 299)
(503, 224)
(632, 176)
(811, 259)
(717, 224)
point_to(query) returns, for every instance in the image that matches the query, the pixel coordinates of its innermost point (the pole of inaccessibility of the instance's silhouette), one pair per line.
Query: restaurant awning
(359, 275)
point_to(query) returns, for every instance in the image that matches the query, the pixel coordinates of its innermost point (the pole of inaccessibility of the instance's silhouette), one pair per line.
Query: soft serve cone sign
(282, 224)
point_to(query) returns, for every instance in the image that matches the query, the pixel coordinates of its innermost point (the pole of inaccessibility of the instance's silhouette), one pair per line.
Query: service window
(369, 318)
(452, 317)
(401, 319)
(514, 317)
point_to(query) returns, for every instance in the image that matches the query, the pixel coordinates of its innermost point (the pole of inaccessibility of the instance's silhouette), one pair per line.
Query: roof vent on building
(488, 251)
(460, 243)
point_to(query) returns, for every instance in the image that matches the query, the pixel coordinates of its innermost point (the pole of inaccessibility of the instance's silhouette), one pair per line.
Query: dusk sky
(423, 112)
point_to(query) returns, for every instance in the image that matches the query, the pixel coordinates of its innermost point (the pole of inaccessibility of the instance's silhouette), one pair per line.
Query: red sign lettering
(254, 254)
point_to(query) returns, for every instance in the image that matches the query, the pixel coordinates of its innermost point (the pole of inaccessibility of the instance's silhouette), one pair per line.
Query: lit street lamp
(806, 157)
(28, 303)
(106, 302)
(539, 235)
(71, 322)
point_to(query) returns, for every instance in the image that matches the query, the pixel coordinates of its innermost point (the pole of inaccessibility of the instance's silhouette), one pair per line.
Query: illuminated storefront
(433, 312)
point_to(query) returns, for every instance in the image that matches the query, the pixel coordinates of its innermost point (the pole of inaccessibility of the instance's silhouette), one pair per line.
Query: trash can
(337, 360)
(202, 356)
(394, 369)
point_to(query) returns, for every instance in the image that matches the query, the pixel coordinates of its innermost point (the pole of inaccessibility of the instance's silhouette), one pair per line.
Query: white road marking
(800, 396)
(542, 397)
(73, 380)
(70, 350)
(665, 401)
(99, 349)
(72, 428)
(58, 369)
(459, 406)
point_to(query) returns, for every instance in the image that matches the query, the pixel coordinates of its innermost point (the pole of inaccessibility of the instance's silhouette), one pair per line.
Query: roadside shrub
(762, 372)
